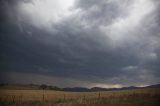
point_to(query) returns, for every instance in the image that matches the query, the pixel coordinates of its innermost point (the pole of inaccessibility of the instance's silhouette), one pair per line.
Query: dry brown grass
(139, 97)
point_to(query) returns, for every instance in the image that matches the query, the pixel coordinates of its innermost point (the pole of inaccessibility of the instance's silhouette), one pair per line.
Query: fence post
(99, 95)
(43, 96)
(84, 100)
(99, 102)
(13, 99)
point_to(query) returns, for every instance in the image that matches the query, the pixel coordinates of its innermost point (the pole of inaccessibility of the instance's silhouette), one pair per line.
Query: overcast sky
(105, 43)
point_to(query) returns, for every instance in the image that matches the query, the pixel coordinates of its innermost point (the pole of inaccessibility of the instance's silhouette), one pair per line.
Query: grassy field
(139, 97)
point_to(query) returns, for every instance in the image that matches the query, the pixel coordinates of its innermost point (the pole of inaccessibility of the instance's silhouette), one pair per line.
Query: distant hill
(96, 89)
(154, 86)
(76, 89)
(70, 89)
(19, 86)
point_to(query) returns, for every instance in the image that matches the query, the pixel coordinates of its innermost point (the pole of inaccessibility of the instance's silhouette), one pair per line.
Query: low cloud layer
(101, 43)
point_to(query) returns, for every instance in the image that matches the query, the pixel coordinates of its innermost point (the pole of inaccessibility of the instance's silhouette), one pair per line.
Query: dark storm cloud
(87, 45)
(58, 55)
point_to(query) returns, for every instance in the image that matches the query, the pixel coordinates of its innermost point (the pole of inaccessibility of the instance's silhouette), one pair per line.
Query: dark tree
(43, 86)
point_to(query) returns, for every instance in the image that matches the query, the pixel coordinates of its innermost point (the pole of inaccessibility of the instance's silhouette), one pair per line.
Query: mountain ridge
(70, 89)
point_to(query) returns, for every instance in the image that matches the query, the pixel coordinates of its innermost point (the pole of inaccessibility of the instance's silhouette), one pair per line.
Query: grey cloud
(102, 12)
(83, 53)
